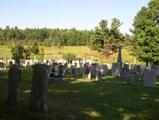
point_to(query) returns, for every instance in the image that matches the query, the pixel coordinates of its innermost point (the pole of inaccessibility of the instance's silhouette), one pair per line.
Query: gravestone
(61, 70)
(74, 71)
(103, 69)
(14, 76)
(39, 89)
(94, 69)
(142, 69)
(129, 79)
(98, 75)
(86, 71)
(124, 70)
(149, 78)
(155, 66)
(57, 72)
(133, 68)
(81, 67)
(116, 69)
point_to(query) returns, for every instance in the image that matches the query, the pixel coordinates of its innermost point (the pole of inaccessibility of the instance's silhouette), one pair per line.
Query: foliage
(69, 56)
(107, 39)
(35, 48)
(44, 36)
(146, 29)
(42, 54)
(18, 52)
(27, 53)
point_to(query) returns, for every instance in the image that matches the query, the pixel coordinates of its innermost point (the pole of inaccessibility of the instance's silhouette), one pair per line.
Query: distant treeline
(44, 36)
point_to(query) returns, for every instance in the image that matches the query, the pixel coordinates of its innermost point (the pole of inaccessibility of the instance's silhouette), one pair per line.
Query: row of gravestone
(89, 71)
(122, 70)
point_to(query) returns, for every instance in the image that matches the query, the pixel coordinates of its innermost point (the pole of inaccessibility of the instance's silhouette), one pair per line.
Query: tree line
(44, 36)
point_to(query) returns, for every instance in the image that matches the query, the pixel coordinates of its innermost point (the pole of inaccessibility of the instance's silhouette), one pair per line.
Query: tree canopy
(44, 36)
(107, 39)
(146, 32)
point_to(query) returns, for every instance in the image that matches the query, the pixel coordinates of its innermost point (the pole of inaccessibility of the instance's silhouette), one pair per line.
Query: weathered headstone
(103, 69)
(129, 79)
(124, 70)
(142, 69)
(74, 71)
(149, 78)
(98, 75)
(61, 71)
(39, 89)
(81, 67)
(116, 69)
(86, 71)
(155, 66)
(57, 72)
(94, 69)
(133, 68)
(14, 84)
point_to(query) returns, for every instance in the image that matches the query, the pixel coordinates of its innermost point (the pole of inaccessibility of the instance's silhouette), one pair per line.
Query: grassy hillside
(81, 51)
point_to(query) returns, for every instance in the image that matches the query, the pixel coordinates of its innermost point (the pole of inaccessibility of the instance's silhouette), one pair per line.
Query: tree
(18, 53)
(107, 39)
(69, 57)
(27, 53)
(145, 33)
(35, 48)
(42, 54)
(100, 36)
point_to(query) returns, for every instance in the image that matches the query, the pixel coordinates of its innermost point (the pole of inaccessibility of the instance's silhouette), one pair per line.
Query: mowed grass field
(109, 99)
(81, 52)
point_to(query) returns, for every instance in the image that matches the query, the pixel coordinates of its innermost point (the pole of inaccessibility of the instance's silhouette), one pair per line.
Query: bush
(69, 57)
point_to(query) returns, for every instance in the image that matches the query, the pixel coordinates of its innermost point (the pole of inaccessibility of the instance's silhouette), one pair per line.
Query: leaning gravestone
(149, 78)
(39, 89)
(13, 84)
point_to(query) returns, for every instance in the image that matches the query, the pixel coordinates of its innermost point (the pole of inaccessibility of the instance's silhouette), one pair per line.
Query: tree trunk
(39, 89)
(13, 85)
(119, 56)
(147, 63)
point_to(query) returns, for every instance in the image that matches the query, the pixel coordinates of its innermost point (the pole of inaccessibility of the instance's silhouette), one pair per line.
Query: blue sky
(79, 14)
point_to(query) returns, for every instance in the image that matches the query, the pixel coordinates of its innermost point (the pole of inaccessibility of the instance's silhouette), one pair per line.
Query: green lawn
(109, 99)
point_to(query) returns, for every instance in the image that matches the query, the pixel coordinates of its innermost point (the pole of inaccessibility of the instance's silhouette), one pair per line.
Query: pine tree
(146, 29)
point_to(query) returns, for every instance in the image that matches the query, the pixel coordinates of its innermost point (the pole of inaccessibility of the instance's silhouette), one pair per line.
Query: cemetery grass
(109, 99)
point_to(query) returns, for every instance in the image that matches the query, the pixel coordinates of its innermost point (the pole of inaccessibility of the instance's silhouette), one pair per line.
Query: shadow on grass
(109, 99)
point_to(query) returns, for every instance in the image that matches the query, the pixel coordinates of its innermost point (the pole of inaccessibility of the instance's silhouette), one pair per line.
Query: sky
(79, 14)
